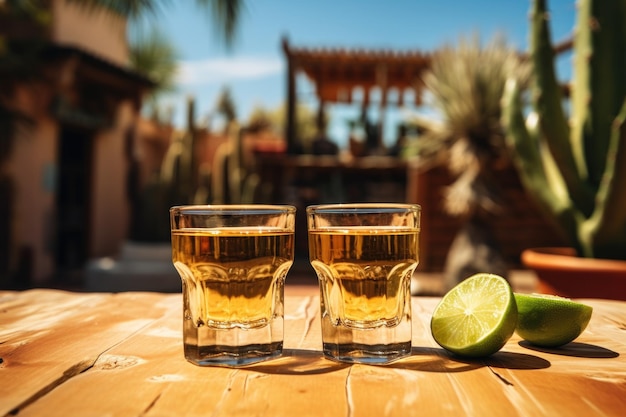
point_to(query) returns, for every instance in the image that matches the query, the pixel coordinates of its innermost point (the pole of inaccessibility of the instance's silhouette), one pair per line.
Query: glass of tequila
(233, 260)
(364, 256)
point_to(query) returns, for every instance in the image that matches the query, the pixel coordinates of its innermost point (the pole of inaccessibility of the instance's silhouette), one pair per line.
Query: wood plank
(121, 354)
(49, 337)
(160, 381)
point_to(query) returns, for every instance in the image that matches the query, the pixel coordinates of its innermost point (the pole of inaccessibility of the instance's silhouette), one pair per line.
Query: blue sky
(254, 69)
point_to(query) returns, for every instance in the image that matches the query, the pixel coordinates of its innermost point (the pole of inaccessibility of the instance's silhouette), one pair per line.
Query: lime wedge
(476, 317)
(549, 320)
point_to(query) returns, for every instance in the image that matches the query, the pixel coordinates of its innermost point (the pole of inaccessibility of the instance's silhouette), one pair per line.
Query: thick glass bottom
(369, 354)
(232, 356)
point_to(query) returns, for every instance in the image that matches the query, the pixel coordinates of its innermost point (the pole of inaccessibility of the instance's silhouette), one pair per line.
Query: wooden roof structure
(338, 73)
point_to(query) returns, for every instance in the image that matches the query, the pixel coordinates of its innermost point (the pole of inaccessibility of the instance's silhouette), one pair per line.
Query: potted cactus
(575, 165)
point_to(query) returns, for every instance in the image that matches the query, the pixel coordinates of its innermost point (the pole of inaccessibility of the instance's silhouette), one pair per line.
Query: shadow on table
(575, 349)
(299, 362)
(439, 360)
(312, 362)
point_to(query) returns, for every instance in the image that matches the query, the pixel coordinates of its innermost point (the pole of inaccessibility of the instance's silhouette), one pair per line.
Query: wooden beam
(290, 116)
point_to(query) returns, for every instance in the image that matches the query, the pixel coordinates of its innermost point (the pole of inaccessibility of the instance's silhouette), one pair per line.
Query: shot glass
(233, 261)
(364, 256)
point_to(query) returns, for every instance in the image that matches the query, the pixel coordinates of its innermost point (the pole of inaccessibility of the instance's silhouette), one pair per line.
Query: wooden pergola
(338, 73)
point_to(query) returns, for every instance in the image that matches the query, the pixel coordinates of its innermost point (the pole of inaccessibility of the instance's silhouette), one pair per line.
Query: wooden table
(102, 354)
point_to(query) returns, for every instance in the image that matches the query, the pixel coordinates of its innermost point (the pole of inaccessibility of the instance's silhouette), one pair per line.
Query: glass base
(232, 356)
(369, 354)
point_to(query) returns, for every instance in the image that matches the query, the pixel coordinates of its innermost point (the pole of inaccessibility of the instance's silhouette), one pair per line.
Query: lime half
(549, 320)
(476, 317)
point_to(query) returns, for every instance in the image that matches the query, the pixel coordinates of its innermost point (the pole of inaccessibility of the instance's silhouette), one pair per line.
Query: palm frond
(154, 55)
(131, 9)
(226, 15)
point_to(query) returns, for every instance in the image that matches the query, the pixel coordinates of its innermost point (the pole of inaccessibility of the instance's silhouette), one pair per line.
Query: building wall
(34, 163)
(33, 166)
(110, 206)
(102, 33)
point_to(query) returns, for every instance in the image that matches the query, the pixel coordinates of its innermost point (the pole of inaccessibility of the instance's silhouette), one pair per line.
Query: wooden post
(381, 75)
(290, 114)
(321, 119)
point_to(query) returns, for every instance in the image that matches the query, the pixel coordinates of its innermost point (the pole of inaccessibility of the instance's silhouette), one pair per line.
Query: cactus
(175, 184)
(233, 182)
(179, 165)
(182, 181)
(576, 169)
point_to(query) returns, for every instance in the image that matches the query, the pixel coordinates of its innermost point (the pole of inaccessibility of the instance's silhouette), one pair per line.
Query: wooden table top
(103, 354)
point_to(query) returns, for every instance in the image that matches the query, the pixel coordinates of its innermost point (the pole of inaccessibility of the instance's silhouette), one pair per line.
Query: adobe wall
(33, 170)
(110, 208)
(102, 33)
(520, 226)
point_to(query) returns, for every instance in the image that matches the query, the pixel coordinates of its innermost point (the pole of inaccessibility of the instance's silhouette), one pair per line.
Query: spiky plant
(465, 85)
(575, 164)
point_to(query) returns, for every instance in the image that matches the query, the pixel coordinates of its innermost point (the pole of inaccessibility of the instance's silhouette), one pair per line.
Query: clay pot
(561, 272)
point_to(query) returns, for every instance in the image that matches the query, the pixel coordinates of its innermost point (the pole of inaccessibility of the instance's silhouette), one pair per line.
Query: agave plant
(465, 84)
(575, 164)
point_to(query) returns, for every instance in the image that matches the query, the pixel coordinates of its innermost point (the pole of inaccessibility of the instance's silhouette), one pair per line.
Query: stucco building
(69, 163)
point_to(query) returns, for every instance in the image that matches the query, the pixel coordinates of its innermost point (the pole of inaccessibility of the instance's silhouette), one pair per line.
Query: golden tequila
(364, 273)
(231, 276)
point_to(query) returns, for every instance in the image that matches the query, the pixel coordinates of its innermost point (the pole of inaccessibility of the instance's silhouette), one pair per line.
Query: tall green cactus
(178, 171)
(176, 183)
(233, 182)
(576, 168)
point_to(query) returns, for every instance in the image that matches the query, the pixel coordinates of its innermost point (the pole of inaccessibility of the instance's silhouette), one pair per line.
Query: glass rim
(340, 208)
(232, 209)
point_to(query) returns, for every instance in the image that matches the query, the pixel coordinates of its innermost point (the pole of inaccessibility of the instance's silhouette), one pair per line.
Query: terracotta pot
(561, 272)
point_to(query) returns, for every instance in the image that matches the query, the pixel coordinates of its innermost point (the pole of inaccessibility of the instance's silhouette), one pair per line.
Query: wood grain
(97, 354)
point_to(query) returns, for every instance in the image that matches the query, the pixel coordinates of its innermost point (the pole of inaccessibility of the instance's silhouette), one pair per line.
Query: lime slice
(476, 317)
(549, 320)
